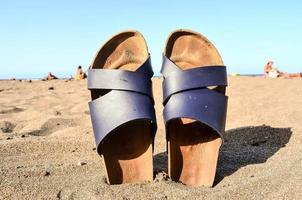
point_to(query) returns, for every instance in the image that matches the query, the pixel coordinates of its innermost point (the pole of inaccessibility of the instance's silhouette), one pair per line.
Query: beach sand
(47, 148)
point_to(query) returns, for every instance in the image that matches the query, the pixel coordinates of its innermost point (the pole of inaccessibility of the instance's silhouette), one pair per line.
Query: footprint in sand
(11, 110)
(78, 193)
(1, 90)
(53, 125)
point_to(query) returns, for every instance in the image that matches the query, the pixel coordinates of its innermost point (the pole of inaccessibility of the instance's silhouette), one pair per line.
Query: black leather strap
(138, 81)
(177, 80)
(117, 108)
(185, 94)
(130, 98)
(204, 105)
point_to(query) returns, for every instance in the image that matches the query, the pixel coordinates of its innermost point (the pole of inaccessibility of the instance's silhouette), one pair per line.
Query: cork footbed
(192, 146)
(127, 151)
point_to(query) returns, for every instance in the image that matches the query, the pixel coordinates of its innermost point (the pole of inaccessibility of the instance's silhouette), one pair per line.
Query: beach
(47, 148)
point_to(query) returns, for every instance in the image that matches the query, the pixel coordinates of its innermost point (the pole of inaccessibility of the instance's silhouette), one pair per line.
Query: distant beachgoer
(80, 74)
(50, 76)
(273, 72)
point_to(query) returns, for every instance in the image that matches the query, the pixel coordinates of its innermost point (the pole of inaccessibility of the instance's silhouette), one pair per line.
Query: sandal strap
(117, 108)
(112, 79)
(204, 105)
(177, 80)
(186, 94)
(130, 99)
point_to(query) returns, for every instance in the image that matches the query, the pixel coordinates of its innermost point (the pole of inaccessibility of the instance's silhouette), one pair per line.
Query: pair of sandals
(122, 107)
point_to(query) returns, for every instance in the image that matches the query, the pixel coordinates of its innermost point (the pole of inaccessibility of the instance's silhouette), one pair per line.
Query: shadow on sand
(243, 146)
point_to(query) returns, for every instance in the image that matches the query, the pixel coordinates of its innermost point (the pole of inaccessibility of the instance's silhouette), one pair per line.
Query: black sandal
(195, 106)
(122, 108)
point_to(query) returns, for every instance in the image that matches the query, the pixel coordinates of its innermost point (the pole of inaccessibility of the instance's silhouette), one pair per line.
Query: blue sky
(41, 36)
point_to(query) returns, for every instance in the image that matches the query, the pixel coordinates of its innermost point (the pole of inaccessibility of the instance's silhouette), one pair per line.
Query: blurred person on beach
(273, 72)
(49, 77)
(80, 74)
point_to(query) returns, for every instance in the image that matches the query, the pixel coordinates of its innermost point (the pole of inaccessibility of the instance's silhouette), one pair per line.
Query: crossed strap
(130, 98)
(186, 94)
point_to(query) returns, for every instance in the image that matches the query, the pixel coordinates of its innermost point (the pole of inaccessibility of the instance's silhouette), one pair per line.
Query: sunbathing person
(80, 74)
(49, 77)
(273, 72)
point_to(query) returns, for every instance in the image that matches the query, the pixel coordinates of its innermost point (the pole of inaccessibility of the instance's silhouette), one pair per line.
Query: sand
(47, 149)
